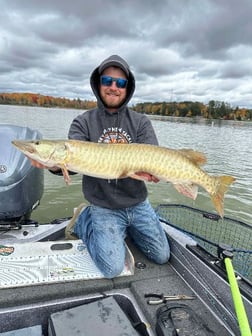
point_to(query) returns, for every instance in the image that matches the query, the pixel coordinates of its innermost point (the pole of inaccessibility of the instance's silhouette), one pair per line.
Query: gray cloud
(179, 50)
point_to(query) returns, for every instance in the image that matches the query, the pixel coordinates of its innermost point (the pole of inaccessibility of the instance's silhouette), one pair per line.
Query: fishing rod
(226, 255)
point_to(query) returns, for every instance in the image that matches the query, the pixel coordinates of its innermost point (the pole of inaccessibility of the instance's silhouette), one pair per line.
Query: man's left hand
(147, 177)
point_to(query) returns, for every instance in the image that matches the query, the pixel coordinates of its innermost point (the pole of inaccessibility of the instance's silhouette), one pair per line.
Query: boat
(49, 285)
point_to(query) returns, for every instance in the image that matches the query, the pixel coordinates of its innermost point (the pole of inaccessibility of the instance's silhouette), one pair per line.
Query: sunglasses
(108, 80)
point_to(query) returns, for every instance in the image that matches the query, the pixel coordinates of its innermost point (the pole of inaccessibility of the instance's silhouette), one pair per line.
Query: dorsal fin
(197, 158)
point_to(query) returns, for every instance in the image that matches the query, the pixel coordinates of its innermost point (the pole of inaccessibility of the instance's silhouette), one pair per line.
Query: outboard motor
(21, 184)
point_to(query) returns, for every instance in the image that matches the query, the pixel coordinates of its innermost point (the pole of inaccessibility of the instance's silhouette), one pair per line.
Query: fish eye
(36, 142)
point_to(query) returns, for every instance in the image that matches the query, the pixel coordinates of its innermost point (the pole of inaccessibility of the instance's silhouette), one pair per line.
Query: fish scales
(114, 161)
(123, 160)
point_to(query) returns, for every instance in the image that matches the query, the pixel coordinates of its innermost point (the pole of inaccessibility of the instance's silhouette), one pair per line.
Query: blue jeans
(104, 230)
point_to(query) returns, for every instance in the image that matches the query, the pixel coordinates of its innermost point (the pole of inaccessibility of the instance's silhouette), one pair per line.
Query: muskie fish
(116, 161)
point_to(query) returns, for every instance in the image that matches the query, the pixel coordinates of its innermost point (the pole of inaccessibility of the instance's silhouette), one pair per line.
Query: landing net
(210, 230)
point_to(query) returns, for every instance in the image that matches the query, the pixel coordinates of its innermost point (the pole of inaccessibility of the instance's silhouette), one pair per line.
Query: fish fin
(143, 176)
(197, 158)
(65, 174)
(187, 189)
(218, 196)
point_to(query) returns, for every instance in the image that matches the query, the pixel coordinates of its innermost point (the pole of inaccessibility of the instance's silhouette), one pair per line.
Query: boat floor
(31, 305)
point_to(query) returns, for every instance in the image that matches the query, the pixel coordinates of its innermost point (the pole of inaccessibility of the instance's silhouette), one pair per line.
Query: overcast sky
(178, 50)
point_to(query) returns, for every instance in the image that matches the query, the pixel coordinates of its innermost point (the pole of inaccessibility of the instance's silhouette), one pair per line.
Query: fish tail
(223, 182)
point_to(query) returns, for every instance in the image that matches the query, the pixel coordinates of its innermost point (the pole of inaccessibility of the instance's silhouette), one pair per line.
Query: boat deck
(32, 305)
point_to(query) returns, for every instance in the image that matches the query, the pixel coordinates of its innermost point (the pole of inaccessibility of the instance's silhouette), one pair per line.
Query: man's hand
(40, 165)
(147, 177)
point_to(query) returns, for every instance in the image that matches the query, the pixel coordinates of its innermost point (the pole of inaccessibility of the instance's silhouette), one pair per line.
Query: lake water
(227, 145)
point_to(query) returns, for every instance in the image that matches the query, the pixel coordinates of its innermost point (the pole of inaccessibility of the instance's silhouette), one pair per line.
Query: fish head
(47, 152)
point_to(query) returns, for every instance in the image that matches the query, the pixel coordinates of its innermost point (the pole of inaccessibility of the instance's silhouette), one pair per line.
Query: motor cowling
(21, 184)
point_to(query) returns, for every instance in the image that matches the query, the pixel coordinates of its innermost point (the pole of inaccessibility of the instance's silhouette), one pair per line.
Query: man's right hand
(37, 164)
(42, 166)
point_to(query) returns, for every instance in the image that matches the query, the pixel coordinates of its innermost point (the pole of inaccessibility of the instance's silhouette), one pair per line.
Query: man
(117, 207)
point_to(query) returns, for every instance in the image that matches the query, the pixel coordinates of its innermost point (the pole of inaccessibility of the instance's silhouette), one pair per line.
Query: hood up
(117, 61)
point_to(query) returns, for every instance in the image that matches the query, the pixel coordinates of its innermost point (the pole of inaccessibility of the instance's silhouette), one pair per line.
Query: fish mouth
(21, 145)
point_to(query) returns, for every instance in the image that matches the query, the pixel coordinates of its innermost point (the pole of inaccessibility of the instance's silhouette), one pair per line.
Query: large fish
(116, 161)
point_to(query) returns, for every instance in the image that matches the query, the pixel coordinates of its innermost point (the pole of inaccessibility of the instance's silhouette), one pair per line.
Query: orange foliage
(212, 110)
(33, 99)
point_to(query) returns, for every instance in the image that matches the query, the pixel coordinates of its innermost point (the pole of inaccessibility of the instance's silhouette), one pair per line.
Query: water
(227, 145)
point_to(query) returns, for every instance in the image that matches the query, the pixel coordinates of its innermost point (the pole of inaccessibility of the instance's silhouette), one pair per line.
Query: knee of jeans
(112, 270)
(162, 257)
(110, 266)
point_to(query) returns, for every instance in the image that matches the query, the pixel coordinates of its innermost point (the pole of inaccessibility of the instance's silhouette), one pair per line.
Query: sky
(196, 50)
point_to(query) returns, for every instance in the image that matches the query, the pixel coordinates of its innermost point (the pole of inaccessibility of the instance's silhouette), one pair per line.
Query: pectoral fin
(65, 174)
(189, 190)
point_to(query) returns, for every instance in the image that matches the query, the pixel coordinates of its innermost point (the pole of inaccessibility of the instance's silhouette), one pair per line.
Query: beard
(113, 99)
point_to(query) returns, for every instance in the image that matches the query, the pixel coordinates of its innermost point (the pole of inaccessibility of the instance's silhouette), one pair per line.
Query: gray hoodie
(124, 125)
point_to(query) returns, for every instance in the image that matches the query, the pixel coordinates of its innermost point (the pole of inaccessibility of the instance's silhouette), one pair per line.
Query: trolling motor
(21, 184)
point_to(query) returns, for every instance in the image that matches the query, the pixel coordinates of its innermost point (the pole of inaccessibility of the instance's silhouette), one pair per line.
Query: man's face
(113, 96)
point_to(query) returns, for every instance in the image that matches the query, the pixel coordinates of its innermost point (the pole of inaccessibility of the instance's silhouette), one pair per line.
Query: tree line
(34, 99)
(213, 110)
